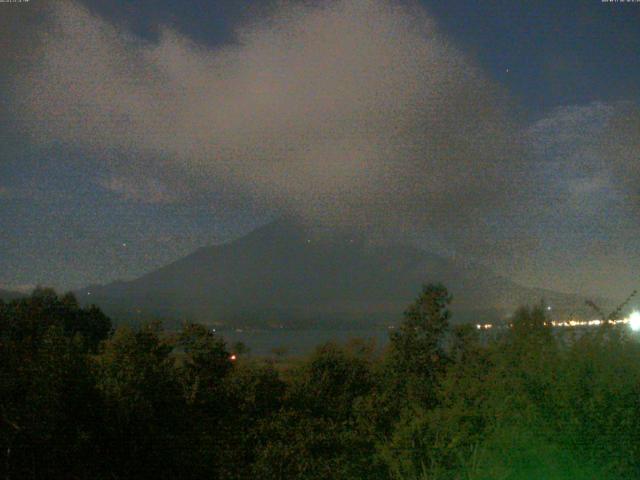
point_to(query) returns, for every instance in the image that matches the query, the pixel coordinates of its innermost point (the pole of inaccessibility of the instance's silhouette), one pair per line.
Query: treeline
(79, 400)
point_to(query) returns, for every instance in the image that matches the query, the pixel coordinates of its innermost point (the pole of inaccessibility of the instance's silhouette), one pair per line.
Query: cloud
(621, 147)
(589, 154)
(586, 210)
(145, 190)
(566, 147)
(361, 111)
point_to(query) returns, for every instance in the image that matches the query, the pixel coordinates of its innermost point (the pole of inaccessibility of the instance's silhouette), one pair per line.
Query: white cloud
(587, 152)
(357, 109)
(586, 215)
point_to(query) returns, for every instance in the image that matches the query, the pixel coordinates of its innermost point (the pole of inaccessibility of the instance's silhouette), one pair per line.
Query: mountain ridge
(285, 273)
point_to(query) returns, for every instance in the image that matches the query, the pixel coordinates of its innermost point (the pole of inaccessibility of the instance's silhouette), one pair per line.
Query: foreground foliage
(78, 400)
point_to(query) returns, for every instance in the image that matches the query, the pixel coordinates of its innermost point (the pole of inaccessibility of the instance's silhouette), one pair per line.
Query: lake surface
(304, 341)
(299, 342)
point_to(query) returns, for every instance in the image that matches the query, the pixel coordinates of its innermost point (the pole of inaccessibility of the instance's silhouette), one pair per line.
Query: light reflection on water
(300, 342)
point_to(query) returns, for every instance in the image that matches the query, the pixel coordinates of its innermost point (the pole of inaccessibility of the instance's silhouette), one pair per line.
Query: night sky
(507, 132)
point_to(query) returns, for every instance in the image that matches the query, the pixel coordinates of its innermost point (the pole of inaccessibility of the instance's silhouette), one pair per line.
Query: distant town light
(634, 321)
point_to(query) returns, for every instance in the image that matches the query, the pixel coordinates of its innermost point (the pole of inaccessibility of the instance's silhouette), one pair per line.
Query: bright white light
(634, 321)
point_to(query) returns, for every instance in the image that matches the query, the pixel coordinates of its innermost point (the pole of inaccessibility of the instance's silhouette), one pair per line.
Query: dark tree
(418, 347)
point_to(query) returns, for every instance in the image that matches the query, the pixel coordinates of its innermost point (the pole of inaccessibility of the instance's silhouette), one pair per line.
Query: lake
(299, 342)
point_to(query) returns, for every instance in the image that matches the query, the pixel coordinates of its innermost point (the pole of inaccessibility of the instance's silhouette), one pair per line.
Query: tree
(144, 405)
(49, 406)
(318, 432)
(204, 363)
(417, 348)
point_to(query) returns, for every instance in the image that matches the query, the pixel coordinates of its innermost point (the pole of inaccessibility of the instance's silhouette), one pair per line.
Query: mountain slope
(283, 274)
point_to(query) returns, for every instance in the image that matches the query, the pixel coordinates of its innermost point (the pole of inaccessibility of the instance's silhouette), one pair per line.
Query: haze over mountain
(286, 274)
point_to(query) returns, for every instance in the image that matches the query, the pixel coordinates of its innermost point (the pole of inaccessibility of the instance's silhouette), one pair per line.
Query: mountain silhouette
(287, 274)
